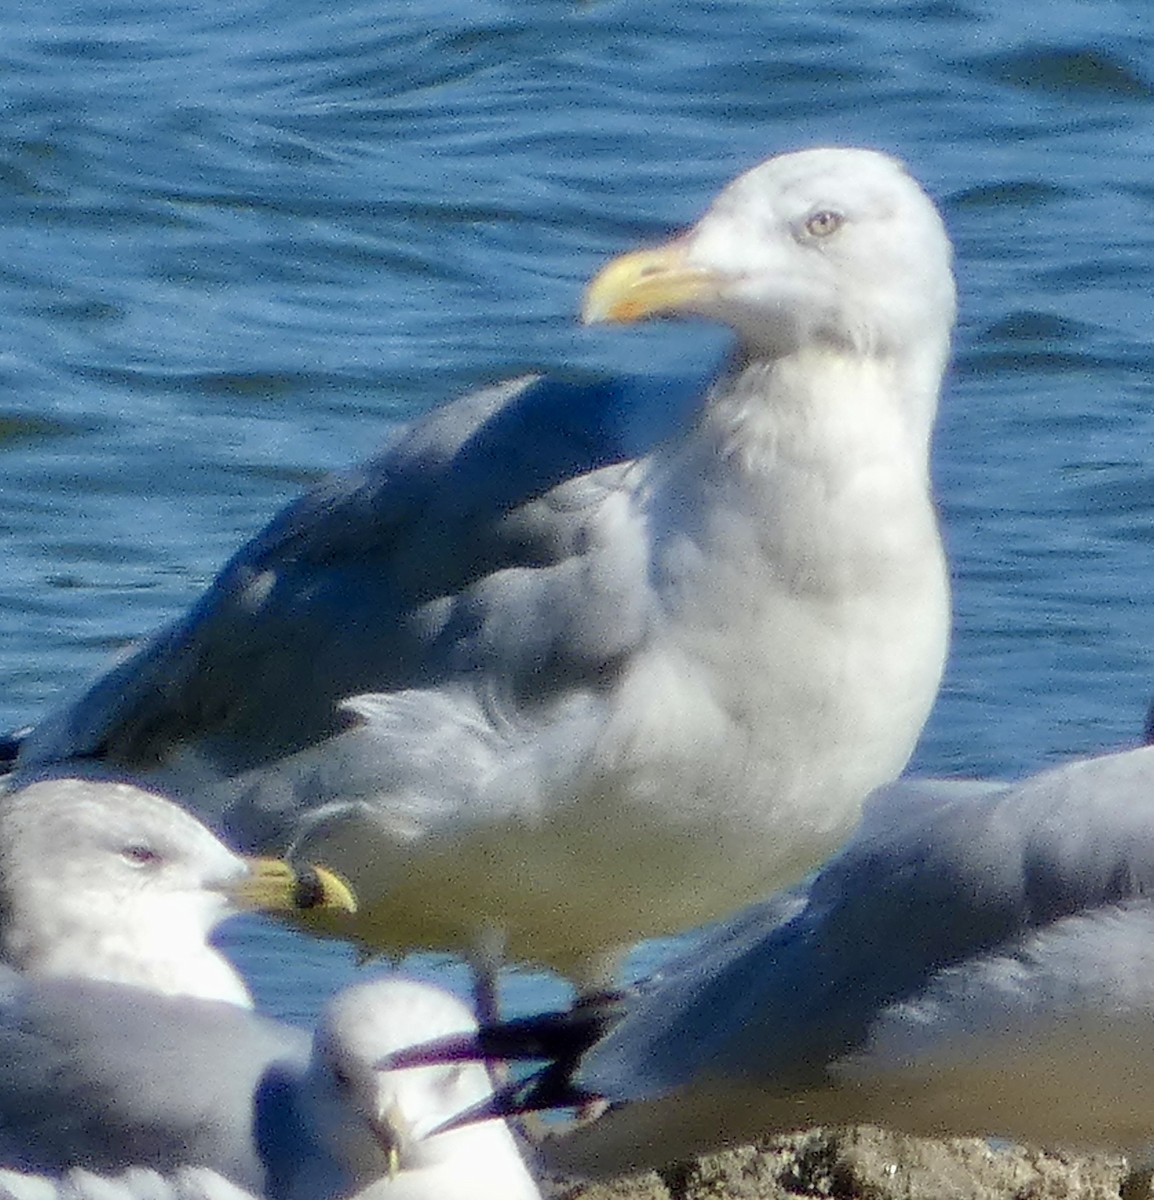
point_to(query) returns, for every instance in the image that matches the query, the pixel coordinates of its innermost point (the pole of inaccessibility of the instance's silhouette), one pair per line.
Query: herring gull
(978, 960)
(564, 663)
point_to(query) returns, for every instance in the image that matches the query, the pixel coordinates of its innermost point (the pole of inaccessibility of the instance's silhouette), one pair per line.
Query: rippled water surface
(239, 243)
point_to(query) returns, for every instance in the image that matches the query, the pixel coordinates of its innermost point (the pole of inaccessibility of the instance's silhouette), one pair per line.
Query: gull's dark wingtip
(454, 1048)
(547, 1089)
(557, 1037)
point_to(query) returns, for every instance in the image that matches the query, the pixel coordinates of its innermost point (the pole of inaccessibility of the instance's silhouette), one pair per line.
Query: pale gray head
(824, 247)
(379, 1122)
(107, 881)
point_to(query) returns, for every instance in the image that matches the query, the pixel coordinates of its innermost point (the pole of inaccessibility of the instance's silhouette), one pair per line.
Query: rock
(873, 1164)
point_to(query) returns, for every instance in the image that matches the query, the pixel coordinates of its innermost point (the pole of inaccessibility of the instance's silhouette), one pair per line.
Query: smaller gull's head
(104, 880)
(380, 1123)
(833, 248)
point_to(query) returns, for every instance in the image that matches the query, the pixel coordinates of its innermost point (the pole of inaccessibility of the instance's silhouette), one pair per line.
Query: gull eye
(823, 222)
(139, 855)
(452, 1078)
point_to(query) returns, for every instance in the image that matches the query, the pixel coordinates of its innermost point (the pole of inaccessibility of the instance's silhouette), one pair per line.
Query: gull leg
(486, 959)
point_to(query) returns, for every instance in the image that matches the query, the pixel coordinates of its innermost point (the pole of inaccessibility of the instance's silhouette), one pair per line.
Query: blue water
(239, 243)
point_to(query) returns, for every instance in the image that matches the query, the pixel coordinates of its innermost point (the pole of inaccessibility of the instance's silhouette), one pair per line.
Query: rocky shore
(873, 1164)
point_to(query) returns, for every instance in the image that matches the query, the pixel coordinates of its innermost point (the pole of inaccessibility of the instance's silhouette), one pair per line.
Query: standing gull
(519, 672)
(979, 960)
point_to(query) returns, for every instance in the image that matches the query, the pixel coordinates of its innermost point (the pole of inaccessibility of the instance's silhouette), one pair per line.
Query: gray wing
(478, 540)
(107, 1077)
(936, 876)
(137, 1183)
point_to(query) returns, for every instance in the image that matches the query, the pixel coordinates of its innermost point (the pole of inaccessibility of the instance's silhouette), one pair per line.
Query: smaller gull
(397, 1112)
(978, 960)
(580, 661)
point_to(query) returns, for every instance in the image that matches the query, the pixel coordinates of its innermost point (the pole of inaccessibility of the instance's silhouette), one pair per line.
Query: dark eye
(140, 855)
(453, 1078)
(823, 222)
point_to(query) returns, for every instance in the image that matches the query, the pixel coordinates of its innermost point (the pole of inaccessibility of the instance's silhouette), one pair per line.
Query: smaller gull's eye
(823, 222)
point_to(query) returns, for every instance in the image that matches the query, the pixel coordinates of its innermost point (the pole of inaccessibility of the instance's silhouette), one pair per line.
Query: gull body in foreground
(979, 960)
(319, 1124)
(125, 1037)
(556, 666)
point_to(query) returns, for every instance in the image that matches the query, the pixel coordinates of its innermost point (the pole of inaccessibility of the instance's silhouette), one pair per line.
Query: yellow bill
(647, 283)
(273, 885)
(392, 1130)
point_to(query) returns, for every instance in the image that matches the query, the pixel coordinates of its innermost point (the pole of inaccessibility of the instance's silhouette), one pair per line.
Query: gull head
(105, 880)
(380, 1122)
(825, 248)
